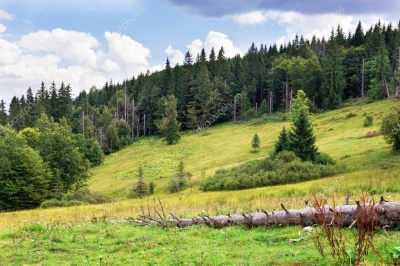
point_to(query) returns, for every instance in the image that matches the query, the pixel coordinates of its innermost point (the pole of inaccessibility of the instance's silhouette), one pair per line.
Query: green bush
(368, 121)
(59, 203)
(284, 169)
(323, 158)
(52, 203)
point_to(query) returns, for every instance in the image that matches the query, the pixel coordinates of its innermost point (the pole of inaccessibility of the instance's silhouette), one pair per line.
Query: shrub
(286, 156)
(284, 169)
(368, 121)
(323, 158)
(52, 203)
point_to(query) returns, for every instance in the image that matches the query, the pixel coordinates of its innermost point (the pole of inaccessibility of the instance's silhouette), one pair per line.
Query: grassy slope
(228, 144)
(67, 236)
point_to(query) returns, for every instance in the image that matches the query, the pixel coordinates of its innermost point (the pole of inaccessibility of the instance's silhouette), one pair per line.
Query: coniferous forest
(63, 134)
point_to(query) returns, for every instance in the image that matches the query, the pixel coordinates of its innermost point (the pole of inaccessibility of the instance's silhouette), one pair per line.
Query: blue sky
(88, 42)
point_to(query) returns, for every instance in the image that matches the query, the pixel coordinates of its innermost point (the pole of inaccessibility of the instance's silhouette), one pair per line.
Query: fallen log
(384, 214)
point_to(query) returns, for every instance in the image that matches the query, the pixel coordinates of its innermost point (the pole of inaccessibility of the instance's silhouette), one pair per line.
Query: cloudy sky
(88, 42)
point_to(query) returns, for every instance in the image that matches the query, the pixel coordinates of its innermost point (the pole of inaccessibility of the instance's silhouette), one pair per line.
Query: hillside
(340, 133)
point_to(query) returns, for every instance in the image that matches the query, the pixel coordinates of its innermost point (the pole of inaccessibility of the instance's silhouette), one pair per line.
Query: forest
(62, 134)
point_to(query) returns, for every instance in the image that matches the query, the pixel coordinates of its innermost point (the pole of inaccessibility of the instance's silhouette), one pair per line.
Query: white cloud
(76, 58)
(218, 40)
(9, 52)
(250, 18)
(73, 47)
(195, 47)
(5, 15)
(214, 40)
(296, 23)
(130, 54)
(175, 56)
(2, 28)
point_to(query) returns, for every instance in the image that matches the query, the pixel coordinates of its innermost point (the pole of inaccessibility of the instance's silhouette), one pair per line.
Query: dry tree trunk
(386, 213)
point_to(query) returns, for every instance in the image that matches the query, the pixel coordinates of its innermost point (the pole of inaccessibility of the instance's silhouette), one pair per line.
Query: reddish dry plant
(330, 221)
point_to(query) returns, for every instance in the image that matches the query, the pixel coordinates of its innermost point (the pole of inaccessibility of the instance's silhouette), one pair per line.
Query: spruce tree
(283, 142)
(302, 139)
(3, 113)
(140, 189)
(255, 143)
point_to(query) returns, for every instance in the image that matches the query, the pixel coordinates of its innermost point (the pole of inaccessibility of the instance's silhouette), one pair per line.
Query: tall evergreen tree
(3, 113)
(358, 37)
(333, 81)
(302, 139)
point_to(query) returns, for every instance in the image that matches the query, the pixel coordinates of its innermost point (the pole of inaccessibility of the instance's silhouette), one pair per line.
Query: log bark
(385, 214)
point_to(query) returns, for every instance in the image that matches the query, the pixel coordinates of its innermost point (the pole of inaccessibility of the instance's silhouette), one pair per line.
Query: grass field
(68, 236)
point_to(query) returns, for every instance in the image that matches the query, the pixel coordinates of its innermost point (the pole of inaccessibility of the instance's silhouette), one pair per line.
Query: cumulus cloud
(213, 39)
(218, 40)
(77, 58)
(195, 47)
(4, 15)
(73, 47)
(175, 56)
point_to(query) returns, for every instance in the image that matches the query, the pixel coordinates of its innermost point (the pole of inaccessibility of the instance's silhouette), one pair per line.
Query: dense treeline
(212, 88)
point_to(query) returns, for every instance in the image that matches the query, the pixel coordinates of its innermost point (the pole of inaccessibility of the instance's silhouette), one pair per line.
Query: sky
(88, 42)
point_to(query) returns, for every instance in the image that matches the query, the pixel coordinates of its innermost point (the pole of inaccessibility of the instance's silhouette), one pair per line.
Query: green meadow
(95, 234)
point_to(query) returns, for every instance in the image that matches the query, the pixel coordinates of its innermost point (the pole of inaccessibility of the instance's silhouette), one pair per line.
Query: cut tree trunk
(384, 213)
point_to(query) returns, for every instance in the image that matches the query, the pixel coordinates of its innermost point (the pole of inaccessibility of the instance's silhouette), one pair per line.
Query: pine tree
(3, 113)
(140, 189)
(188, 59)
(168, 86)
(255, 143)
(168, 124)
(213, 63)
(263, 108)
(302, 139)
(283, 142)
(358, 37)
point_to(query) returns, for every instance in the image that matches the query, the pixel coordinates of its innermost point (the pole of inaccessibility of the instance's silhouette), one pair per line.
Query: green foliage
(140, 188)
(263, 108)
(152, 186)
(302, 139)
(283, 142)
(178, 181)
(58, 148)
(391, 128)
(323, 158)
(286, 168)
(112, 140)
(53, 203)
(24, 176)
(333, 81)
(90, 148)
(168, 124)
(255, 143)
(299, 103)
(368, 121)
